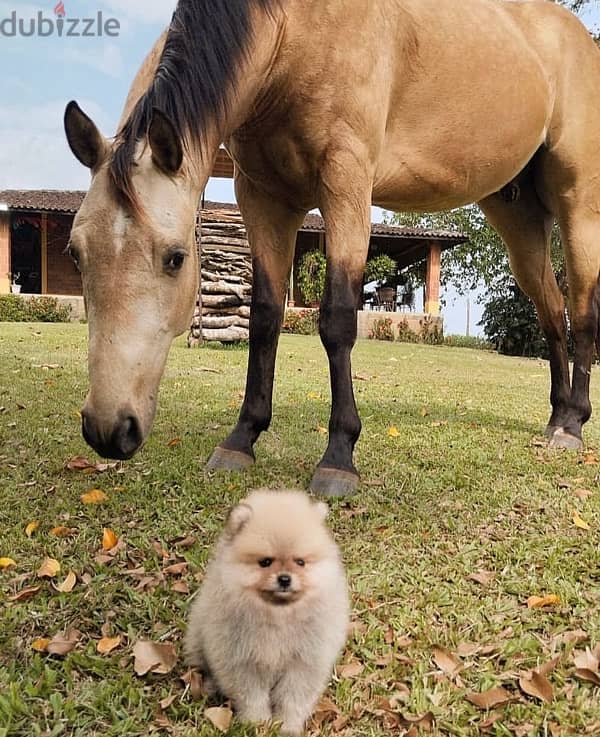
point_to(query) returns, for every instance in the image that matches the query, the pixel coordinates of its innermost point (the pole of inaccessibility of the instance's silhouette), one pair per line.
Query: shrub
(14, 308)
(311, 276)
(380, 269)
(301, 322)
(382, 329)
(467, 341)
(430, 332)
(405, 334)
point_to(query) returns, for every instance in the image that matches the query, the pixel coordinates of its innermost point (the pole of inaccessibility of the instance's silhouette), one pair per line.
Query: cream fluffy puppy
(272, 614)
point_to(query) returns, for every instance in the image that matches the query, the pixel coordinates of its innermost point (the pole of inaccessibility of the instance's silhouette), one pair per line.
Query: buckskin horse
(414, 105)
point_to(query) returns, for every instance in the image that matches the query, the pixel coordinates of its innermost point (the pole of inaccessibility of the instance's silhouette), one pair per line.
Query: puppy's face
(278, 549)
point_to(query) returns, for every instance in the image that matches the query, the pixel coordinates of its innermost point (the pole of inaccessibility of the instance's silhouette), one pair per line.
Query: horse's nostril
(128, 436)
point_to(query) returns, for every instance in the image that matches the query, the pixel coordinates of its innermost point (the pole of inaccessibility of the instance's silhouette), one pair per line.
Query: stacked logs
(223, 309)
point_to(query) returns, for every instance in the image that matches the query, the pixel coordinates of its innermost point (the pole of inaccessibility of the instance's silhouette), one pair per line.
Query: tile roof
(70, 201)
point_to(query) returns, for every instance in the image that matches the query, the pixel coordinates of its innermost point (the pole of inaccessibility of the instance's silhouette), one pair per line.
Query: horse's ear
(85, 140)
(167, 151)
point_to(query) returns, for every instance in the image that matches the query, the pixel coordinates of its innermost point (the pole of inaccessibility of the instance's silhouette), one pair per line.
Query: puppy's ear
(238, 518)
(322, 509)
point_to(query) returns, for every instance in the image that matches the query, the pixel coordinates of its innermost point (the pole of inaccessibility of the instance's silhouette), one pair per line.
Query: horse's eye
(174, 261)
(265, 562)
(73, 254)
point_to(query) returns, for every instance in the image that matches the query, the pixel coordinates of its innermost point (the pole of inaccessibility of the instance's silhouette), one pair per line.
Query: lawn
(462, 516)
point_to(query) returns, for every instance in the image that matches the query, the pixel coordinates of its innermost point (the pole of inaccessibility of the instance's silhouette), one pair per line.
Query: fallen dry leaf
(95, 496)
(31, 528)
(7, 563)
(63, 643)
(177, 569)
(445, 660)
(109, 539)
(582, 494)
(425, 722)
(41, 645)
(587, 665)
(497, 696)
(49, 568)
(153, 657)
(107, 644)
(68, 584)
(25, 594)
(579, 522)
(193, 680)
(393, 432)
(538, 686)
(180, 587)
(321, 430)
(546, 668)
(174, 443)
(166, 702)
(537, 602)
(326, 711)
(220, 717)
(62, 531)
(78, 463)
(351, 670)
(483, 577)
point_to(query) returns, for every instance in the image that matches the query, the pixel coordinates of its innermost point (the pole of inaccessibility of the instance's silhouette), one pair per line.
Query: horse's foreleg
(580, 230)
(347, 223)
(272, 229)
(525, 227)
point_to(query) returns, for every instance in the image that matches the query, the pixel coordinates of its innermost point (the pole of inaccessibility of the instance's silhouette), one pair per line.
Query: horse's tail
(597, 298)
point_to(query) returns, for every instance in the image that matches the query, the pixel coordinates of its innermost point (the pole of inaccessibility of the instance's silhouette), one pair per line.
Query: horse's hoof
(550, 430)
(331, 482)
(224, 459)
(563, 439)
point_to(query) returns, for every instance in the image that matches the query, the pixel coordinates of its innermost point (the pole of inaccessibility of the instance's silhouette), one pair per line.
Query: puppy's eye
(173, 260)
(300, 562)
(265, 562)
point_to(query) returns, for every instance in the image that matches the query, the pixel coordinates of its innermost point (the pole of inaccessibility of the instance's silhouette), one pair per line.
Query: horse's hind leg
(525, 227)
(272, 228)
(580, 231)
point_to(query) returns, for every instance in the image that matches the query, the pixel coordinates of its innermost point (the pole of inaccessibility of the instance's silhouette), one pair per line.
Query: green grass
(464, 487)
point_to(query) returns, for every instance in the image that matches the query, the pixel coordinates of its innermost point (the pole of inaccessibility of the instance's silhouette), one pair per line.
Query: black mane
(206, 41)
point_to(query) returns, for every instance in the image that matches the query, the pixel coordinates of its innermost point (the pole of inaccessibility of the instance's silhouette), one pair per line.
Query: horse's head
(140, 277)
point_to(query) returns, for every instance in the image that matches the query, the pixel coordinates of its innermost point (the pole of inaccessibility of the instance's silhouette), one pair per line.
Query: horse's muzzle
(121, 443)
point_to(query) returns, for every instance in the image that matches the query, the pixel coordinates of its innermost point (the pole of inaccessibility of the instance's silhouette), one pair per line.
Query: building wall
(4, 252)
(62, 276)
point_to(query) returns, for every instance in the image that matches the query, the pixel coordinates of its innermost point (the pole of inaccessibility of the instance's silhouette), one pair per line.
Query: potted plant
(15, 287)
(311, 277)
(383, 269)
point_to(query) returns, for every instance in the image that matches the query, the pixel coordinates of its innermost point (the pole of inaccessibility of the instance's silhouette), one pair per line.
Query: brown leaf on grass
(109, 539)
(389, 635)
(49, 568)
(63, 643)
(523, 730)
(62, 531)
(184, 542)
(177, 569)
(180, 587)
(107, 644)
(467, 649)
(494, 717)
(538, 602)
(41, 645)
(68, 584)
(220, 717)
(94, 496)
(393, 432)
(483, 578)
(31, 528)
(80, 463)
(7, 563)
(546, 668)
(582, 494)
(538, 686)
(426, 722)
(445, 660)
(491, 698)
(153, 657)
(326, 711)
(587, 664)
(193, 680)
(351, 670)
(174, 442)
(165, 703)
(568, 637)
(25, 594)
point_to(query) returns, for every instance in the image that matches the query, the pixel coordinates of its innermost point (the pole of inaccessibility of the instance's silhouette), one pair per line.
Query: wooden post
(44, 253)
(432, 282)
(4, 252)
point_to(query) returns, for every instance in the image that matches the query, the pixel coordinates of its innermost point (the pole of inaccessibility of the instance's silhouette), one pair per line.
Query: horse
(413, 105)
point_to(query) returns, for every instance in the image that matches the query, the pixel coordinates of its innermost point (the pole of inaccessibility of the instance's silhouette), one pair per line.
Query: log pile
(223, 308)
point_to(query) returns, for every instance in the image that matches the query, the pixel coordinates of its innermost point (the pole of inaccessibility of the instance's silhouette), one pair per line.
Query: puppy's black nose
(284, 580)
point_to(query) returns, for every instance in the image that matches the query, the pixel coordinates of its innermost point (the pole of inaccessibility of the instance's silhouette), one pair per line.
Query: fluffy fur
(272, 614)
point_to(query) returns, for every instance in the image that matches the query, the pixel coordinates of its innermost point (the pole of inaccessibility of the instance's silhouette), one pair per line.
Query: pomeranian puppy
(272, 614)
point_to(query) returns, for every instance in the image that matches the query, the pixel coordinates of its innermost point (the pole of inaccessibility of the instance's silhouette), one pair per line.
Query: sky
(40, 75)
